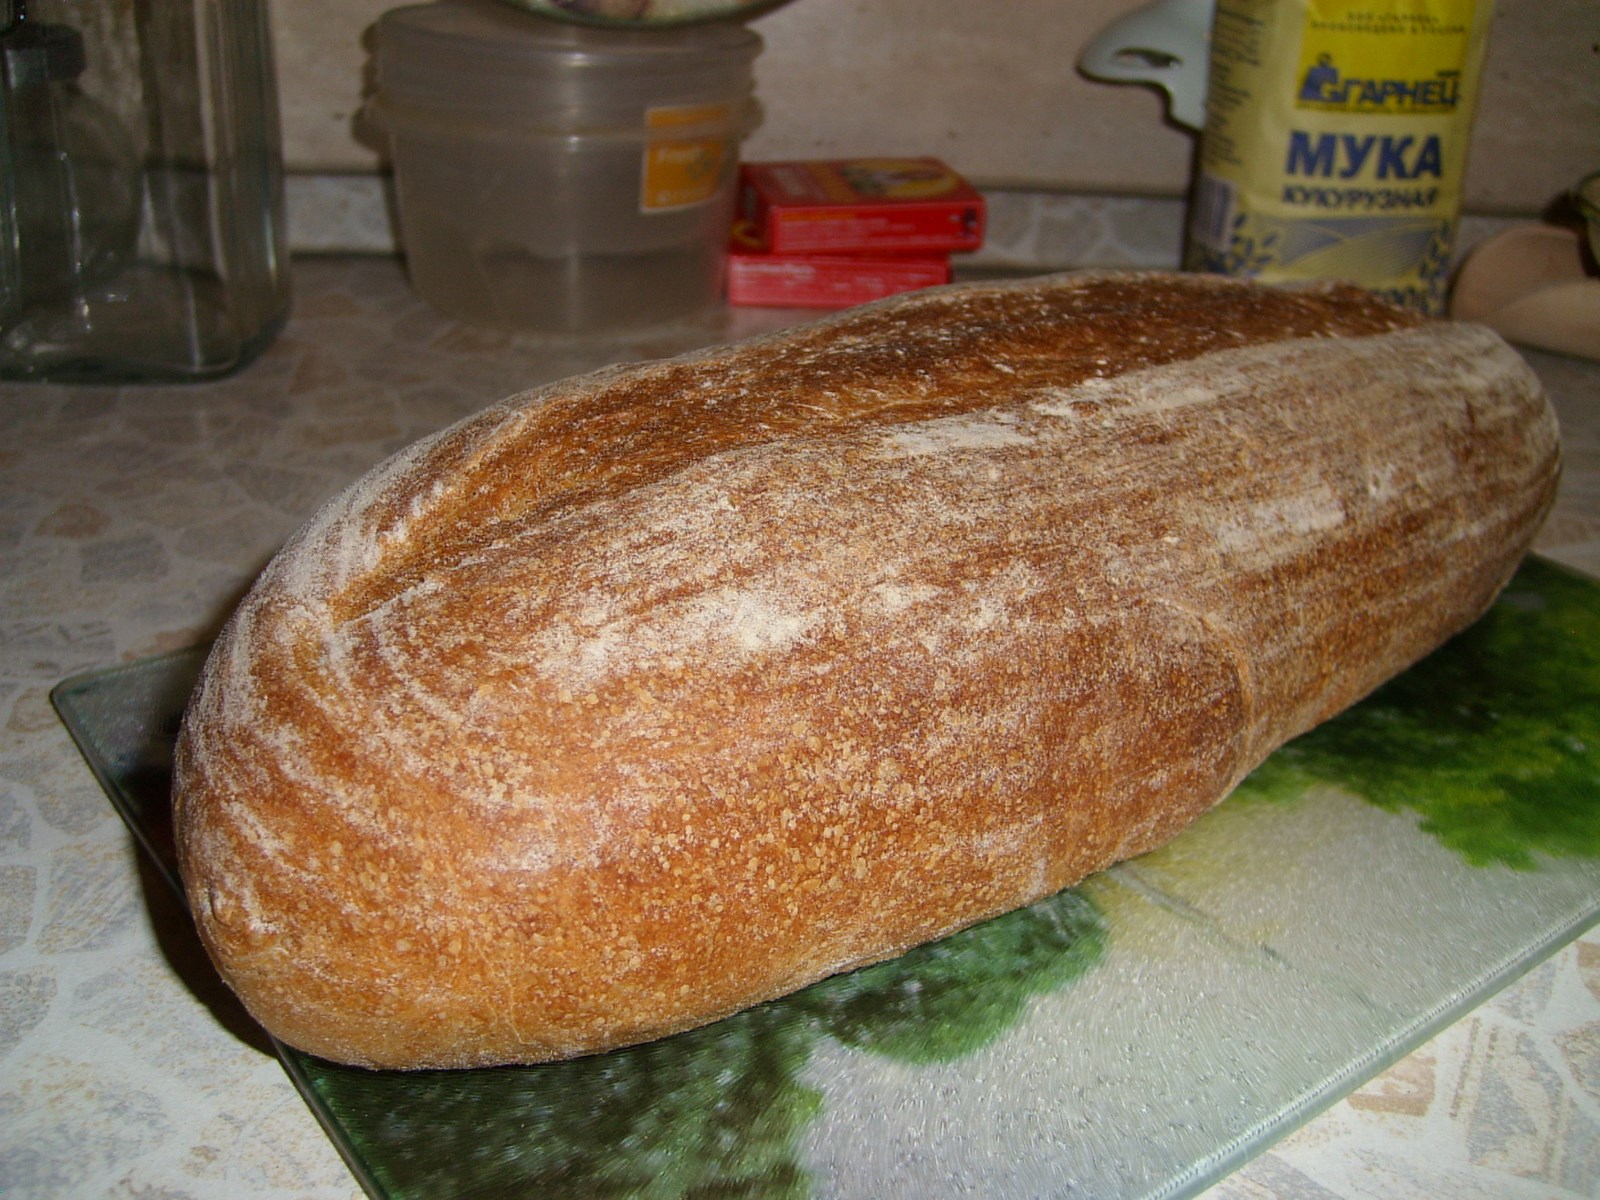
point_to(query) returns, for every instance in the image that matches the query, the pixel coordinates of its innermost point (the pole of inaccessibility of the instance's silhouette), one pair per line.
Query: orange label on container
(676, 116)
(683, 172)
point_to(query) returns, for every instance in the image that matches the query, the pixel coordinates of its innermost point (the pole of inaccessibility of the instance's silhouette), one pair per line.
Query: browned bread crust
(647, 696)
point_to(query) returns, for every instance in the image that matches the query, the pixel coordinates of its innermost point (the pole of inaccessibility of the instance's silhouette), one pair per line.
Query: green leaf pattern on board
(1499, 761)
(716, 1112)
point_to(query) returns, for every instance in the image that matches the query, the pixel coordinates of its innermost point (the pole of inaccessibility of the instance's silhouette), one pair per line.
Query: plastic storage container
(559, 178)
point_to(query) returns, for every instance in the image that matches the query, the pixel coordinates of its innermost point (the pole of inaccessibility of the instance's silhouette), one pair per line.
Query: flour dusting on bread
(647, 696)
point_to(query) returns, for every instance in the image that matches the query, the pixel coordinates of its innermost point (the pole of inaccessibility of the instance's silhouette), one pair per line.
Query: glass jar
(141, 190)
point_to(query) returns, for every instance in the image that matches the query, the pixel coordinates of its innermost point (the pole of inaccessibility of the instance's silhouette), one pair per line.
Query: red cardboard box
(861, 205)
(760, 279)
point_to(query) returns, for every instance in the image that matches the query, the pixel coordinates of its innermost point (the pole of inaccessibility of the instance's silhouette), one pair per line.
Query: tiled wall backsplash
(354, 212)
(1035, 230)
(1077, 172)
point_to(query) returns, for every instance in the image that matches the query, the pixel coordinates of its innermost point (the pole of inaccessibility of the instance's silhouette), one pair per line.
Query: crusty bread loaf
(656, 693)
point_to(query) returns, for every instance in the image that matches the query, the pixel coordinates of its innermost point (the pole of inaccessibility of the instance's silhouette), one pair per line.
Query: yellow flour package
(1335, 141)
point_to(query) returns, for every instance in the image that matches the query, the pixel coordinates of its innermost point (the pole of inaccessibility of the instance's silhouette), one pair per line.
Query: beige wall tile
(994, 90)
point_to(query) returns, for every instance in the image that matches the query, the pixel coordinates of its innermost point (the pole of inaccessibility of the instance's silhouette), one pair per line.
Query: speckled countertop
(130, 520)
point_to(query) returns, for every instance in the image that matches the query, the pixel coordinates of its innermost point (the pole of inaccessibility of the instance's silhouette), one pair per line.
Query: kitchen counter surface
(131, 518)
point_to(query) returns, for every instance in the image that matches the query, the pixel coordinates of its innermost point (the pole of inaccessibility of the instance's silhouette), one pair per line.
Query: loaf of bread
(659, 692)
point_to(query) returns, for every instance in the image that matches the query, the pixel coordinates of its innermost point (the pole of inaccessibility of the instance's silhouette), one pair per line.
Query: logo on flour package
(1326, 87)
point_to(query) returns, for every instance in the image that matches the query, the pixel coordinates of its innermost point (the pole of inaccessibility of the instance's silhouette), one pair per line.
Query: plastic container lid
(490, 63)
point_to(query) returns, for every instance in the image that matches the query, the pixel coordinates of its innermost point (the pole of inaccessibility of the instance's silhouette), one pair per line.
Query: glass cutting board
(1138, 1036)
